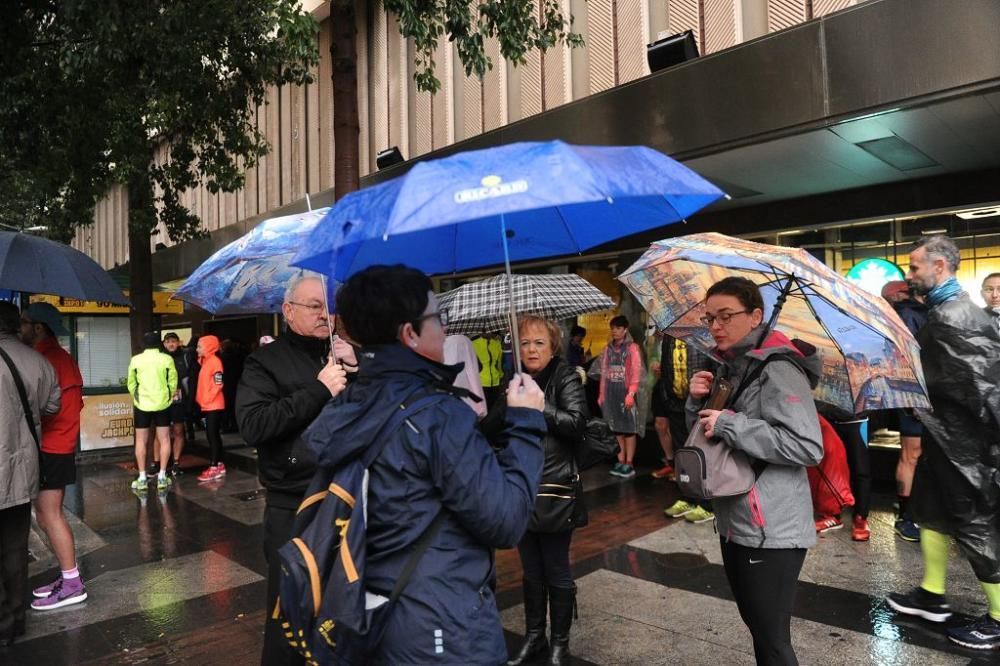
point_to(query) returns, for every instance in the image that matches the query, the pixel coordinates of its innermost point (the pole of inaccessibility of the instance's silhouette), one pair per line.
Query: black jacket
(278, 397)
(956, 487)
(566, 415)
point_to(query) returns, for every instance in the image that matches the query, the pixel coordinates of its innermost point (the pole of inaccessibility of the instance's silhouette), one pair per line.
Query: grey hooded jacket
(18, 451)
(774, 420)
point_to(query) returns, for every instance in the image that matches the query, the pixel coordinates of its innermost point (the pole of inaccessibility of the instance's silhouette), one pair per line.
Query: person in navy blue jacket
(437, 462)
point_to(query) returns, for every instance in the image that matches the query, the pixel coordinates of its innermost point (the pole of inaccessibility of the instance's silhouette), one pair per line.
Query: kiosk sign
(106, 422)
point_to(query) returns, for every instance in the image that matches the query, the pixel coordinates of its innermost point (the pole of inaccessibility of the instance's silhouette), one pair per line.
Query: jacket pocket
(555, 506)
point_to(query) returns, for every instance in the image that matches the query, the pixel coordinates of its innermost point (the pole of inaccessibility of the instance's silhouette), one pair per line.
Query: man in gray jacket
(19, 462)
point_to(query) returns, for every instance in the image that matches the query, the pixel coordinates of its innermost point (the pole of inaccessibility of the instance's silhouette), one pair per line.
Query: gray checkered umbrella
(482, 307)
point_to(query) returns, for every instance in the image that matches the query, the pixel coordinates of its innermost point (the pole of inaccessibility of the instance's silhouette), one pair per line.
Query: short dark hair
(578, 330)
(990, 277)
(375, 302)
(746, 291)
(10, 318)
(620, 321)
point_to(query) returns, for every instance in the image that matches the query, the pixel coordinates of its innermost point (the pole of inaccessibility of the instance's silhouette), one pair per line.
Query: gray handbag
(706, 468)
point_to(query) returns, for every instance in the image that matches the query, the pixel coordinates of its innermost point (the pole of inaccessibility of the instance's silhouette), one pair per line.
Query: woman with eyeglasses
(547, 580)
(765, 533)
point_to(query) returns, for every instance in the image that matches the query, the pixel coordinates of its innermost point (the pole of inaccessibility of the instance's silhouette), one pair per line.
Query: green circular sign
(872, 274)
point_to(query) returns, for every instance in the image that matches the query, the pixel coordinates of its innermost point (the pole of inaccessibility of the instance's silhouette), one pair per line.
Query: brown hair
(555, 335)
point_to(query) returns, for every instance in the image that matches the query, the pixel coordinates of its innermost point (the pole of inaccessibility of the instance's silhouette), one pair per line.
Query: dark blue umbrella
(530, 200)
(40, 266)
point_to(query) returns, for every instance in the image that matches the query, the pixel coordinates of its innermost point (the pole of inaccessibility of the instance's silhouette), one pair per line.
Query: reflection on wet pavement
(177, 577)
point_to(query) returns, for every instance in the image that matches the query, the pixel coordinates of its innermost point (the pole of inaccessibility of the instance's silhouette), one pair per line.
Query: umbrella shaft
(515, 347)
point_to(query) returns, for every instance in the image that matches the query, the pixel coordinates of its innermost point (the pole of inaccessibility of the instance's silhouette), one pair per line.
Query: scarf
(944, 292)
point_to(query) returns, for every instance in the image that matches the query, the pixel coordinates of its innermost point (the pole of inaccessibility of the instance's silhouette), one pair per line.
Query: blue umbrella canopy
(530, 200)
(41, 266)
(250, 274)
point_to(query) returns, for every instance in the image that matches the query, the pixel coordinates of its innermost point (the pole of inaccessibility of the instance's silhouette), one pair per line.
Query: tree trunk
(141, 217)
(346, 127)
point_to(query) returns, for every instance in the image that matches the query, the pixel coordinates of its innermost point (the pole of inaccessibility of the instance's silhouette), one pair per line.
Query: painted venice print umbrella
(870, 359)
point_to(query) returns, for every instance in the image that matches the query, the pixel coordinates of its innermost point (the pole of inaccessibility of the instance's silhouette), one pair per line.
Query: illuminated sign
(872, 274)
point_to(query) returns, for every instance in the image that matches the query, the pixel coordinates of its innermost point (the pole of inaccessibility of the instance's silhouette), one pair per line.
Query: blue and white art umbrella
(250, 274)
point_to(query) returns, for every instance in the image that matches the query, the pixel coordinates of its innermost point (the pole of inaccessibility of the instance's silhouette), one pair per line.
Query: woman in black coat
(544, 550)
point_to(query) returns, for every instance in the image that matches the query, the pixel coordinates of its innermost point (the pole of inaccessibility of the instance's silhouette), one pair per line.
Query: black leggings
(213, 430)
(545, 557)
(763, 581)
(859, 462)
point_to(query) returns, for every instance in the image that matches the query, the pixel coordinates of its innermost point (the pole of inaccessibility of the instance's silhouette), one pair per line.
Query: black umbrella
(40, 266)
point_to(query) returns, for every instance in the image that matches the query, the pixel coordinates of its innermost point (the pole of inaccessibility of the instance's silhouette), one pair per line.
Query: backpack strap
(748, 378)
(25, 405)
(406, 409)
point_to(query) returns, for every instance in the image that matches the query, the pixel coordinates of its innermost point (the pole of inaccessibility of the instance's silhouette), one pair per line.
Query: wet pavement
(177, 577)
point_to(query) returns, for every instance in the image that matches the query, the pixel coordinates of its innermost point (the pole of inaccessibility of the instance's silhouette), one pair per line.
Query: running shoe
(162, 482)
(860, 530)
(616, 469)
(908, 530)
(699, 515)
(920, 602)
(983, 634)
(664, 472)
(46, 590)
(679, 508)
(828, 524)
(72, 591)
(140, 484)
(627, 472)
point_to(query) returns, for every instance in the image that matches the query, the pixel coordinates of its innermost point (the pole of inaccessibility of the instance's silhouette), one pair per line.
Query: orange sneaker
(664, 472)
(860, 531)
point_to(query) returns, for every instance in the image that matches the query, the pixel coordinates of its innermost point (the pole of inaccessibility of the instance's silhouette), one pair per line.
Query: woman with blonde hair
(544, 549)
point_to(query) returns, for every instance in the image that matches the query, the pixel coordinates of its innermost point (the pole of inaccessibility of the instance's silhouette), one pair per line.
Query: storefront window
(104, 349)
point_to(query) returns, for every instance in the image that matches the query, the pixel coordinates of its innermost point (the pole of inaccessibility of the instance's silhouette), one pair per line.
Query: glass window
(104, 349)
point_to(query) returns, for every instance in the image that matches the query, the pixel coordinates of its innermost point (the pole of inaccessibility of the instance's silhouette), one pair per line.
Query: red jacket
(61, 431)
(209, 394)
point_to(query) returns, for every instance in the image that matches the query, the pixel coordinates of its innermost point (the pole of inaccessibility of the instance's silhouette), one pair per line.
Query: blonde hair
(555, 335)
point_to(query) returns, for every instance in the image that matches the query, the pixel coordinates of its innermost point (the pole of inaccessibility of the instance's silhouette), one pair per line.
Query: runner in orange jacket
(210, 398)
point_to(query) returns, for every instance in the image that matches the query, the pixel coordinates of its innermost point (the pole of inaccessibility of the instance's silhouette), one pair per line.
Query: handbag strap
(25, 405)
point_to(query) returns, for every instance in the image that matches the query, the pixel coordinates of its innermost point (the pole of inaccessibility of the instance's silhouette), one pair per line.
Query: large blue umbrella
(250, 274)
(40, 266)
(531, 199)
(510, 203)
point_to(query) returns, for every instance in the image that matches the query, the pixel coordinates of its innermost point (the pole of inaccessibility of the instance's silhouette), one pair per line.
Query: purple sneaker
(46, 590)
(70, 592)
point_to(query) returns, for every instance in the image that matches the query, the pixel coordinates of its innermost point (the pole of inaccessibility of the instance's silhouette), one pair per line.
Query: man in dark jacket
(437, 463)
(956, 489)
(282, 390)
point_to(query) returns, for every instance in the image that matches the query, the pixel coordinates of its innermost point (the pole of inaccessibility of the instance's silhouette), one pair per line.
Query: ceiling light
(933, 232)
(977, 213)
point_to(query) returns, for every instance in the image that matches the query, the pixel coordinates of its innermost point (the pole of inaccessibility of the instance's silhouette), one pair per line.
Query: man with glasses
(283, 389)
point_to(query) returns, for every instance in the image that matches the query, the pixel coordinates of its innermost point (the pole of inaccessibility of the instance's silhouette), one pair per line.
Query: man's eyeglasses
(442, 317)
(723, 318)
(313, 308)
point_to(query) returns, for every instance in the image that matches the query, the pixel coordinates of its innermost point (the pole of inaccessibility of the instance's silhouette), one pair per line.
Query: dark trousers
(15, 522)
(763, 581)
(545, 557)
(277, 531)
(213, 431)
(860, 463)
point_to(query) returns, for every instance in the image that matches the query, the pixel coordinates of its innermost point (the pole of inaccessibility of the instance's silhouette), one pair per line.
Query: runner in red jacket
(213, 405)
